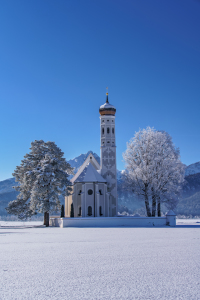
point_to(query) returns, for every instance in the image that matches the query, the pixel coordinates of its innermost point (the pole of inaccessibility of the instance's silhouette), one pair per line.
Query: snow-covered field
(99, 263)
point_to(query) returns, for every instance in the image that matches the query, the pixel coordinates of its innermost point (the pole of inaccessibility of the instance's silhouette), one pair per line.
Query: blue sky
(58, 57)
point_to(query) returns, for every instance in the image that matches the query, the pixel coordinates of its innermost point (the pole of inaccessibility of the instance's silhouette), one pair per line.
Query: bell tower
(108, 153)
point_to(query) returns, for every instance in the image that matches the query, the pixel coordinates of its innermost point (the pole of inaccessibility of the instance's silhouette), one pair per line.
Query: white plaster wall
(102, 198)
(89, 198)
(78, 199)
(113, 222)
(171, 220)
(68, 202)
(108, 155)
(56, 222)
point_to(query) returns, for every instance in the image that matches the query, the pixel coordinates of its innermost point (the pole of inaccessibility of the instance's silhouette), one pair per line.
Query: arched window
(79, 211)
(102, 130)
(79, 193)
(108, 130)
(100, 211)
(113, 130)
(90, 192)
(89, 210)
(100, 192)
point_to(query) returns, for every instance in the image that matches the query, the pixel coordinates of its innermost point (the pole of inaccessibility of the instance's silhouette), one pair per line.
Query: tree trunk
(62, 215)
(46, 219)
(159, 208)
(147, 207)
(153, 206)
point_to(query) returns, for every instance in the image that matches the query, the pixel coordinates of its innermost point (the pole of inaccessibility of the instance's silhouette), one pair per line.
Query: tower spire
(107, 96)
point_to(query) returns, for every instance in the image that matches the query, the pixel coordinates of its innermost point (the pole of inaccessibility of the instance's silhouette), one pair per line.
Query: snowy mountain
(6, 185)
(77, 162)
(193, 169)
(7, 193)
(192, 187)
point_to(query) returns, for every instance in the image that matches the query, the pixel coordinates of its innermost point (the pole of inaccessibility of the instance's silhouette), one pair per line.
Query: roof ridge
(89, 174)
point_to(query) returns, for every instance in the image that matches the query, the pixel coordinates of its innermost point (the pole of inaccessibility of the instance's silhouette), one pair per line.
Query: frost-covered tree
(42, 176)
(153, 169)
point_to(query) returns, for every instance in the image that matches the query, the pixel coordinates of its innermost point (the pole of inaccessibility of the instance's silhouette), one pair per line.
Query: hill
(192, 204)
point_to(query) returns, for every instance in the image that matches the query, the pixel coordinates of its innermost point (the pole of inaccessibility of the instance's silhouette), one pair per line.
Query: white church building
(94, 190)
(93, 199)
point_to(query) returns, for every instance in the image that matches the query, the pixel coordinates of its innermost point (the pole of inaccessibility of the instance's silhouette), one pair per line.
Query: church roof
(107, 108)
(89, 174)
(90, 159)
(171, 213)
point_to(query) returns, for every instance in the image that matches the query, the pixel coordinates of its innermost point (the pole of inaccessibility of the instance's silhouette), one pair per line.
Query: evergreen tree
(43, 176)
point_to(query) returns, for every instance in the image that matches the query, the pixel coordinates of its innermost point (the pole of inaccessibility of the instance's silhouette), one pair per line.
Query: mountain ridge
(192, 169)
(76, 162)
(190, 190)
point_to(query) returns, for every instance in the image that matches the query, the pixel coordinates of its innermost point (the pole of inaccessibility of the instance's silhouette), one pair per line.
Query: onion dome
(107, 108)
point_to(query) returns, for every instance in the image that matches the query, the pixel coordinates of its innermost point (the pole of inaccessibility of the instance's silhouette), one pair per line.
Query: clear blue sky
(57, 57)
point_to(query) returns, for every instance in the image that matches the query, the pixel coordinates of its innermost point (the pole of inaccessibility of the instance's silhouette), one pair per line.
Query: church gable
(90, 174)
(90, 159)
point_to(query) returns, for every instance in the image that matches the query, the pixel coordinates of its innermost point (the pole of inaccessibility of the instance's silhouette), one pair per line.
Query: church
(94, 186)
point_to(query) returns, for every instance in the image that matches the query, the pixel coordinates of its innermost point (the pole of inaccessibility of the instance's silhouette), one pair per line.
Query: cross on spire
(107, 95)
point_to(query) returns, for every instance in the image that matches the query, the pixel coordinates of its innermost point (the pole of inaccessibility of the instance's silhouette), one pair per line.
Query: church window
(112, 120)
(89, 210)
(102, 130)
(100, 211)
(108, 142)
(79, 211)
(79, 193)
(108, 130)
(113, 130)
(90, 192)
(100, 192)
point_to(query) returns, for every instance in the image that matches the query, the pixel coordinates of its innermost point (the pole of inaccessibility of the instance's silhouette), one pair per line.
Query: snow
(192, 169)
(99, 263)
(190, 222)
(89, 174)
(107, 105)
(171, 213)
(16, 224)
